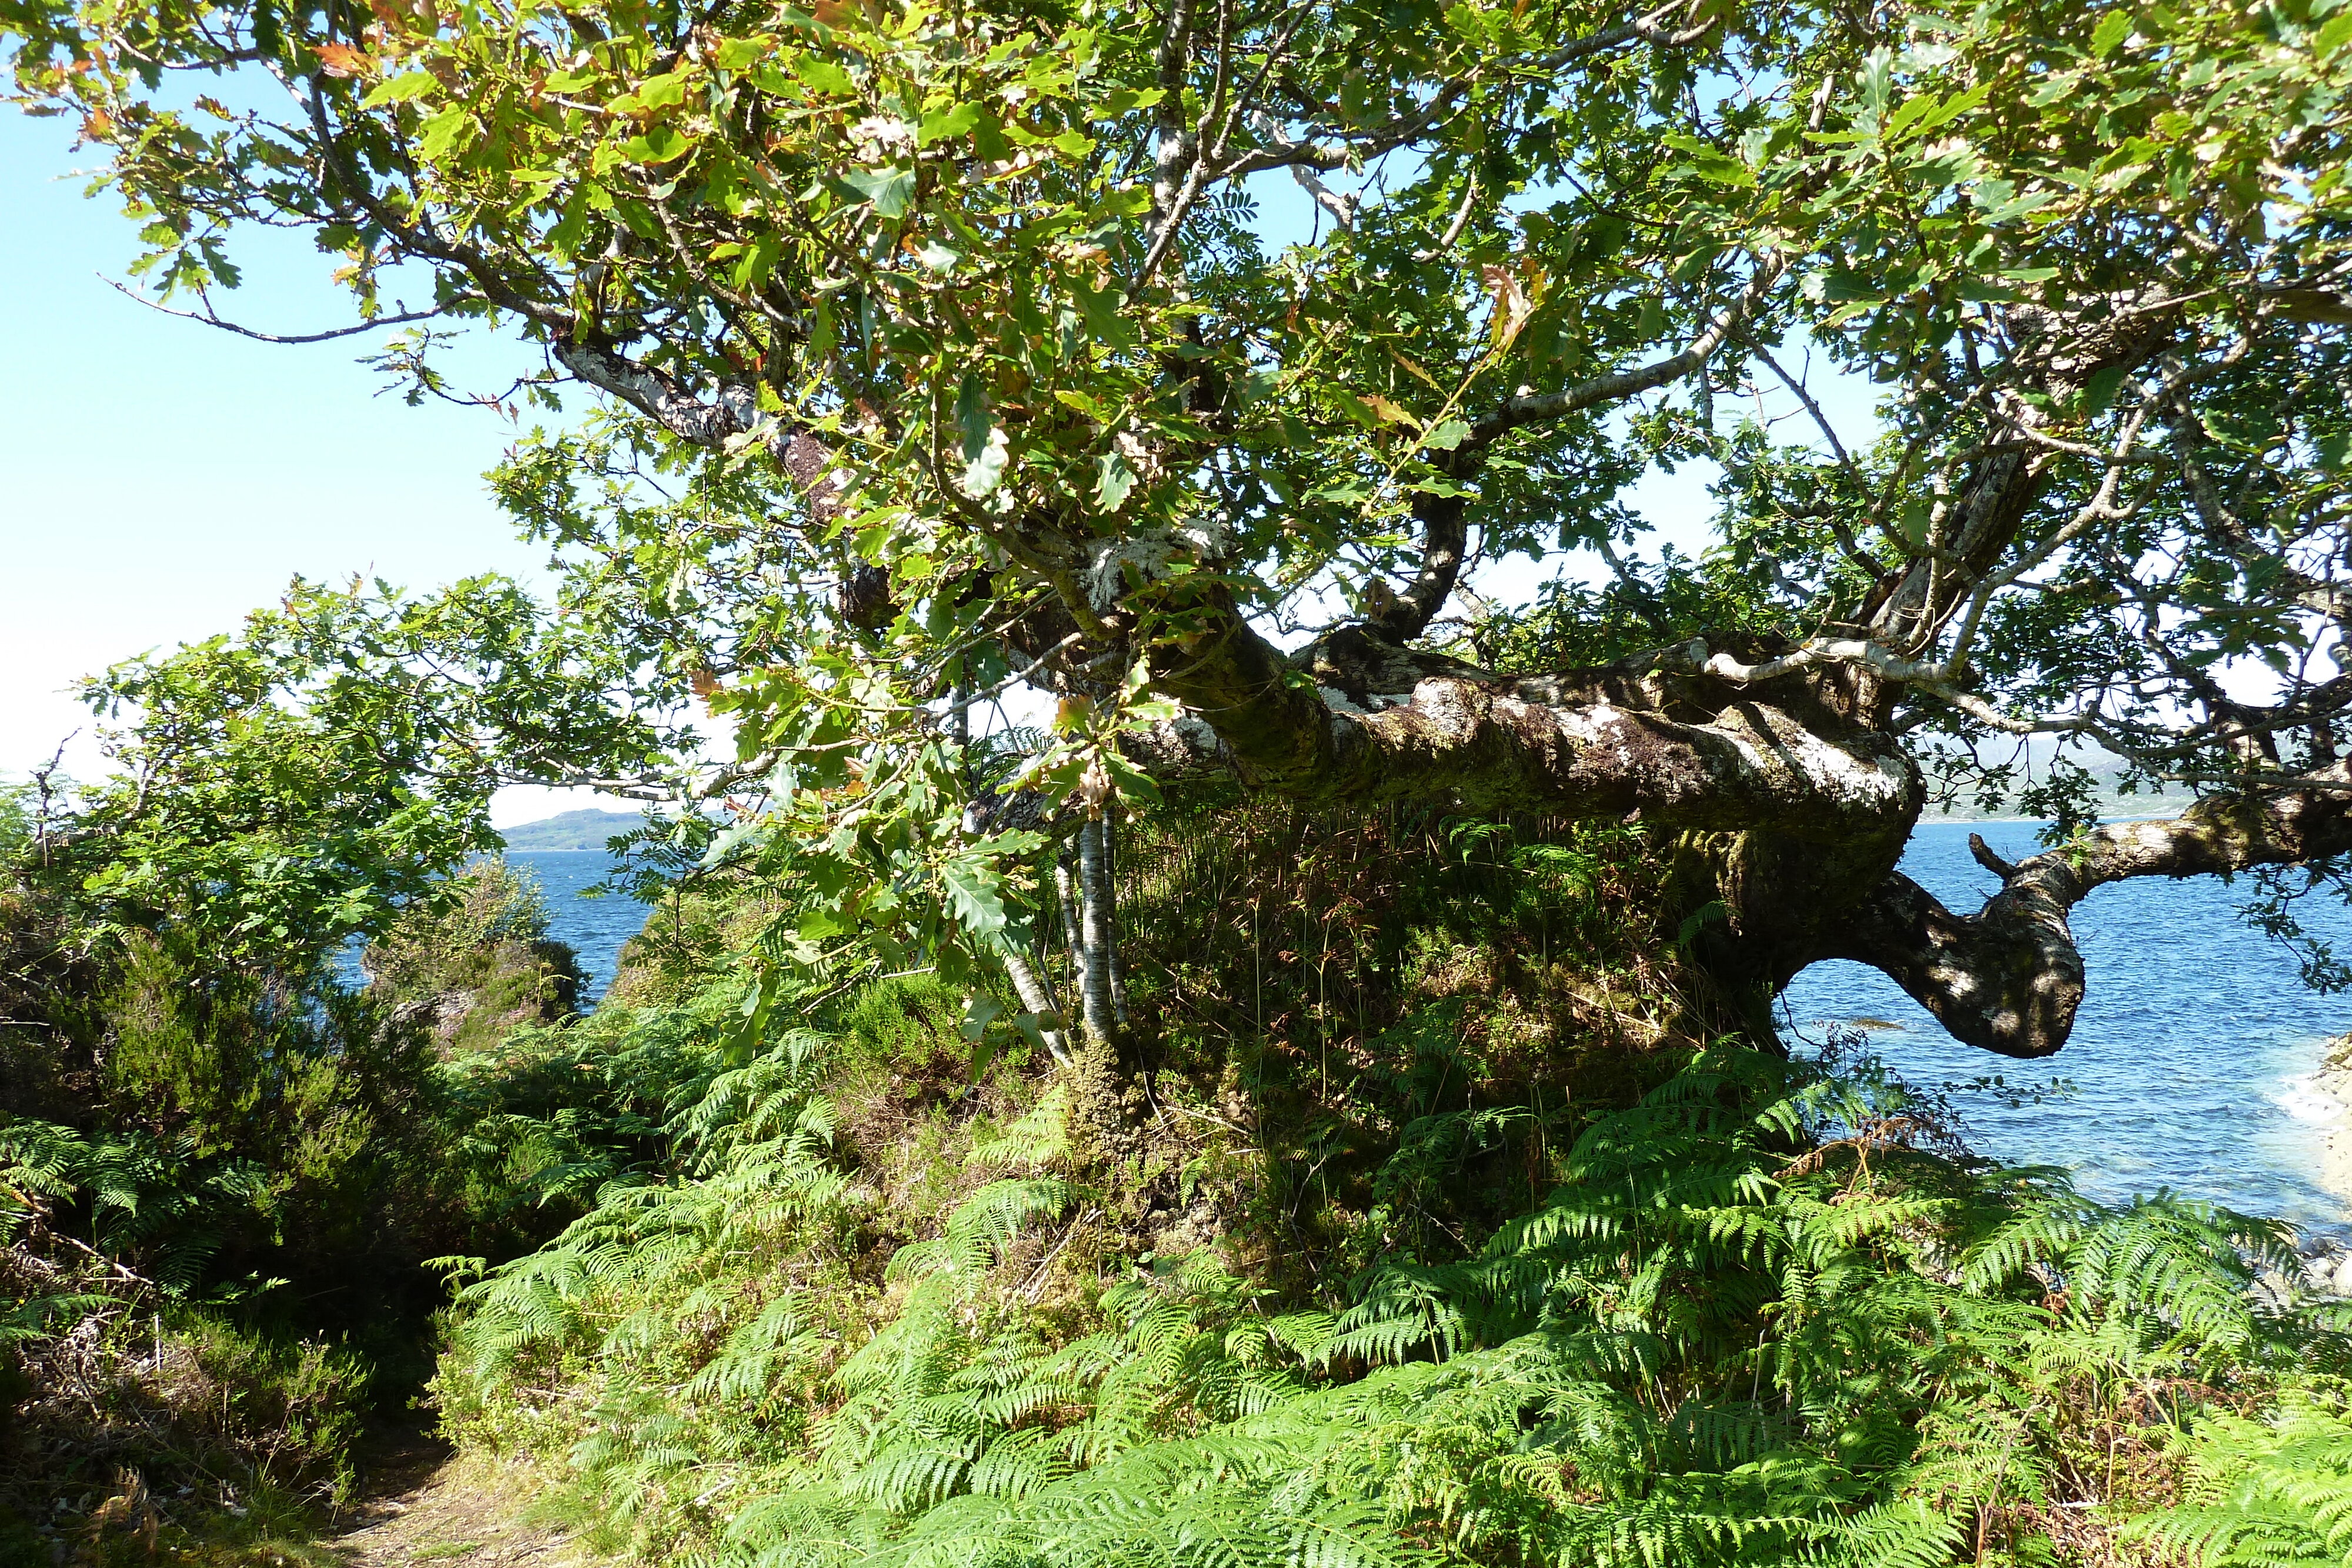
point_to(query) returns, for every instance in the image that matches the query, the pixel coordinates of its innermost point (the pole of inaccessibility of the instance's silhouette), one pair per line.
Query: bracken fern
(1754, 1323)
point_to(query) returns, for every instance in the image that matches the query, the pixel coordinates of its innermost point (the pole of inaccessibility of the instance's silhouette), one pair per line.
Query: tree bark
(1356, 718)
(1099, 1014)
(2009, 977)
(1031, 988)
(1118, 969)
(1065, 894)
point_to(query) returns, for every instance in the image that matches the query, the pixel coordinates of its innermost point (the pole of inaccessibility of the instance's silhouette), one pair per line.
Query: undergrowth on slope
(220, 1186)
(1436, 1224)
(1753, 1322)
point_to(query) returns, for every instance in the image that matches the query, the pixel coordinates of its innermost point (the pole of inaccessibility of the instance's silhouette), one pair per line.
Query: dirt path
(425, 1509)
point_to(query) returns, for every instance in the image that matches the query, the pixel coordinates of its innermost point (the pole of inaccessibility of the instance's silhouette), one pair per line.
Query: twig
(1037, 1280)
(209, 319)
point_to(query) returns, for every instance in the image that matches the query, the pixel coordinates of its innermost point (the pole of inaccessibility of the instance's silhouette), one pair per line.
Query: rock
(2335, 1054)
(475, 970)
(2340, 1284)
(2273, 1291)
(2329, 1111)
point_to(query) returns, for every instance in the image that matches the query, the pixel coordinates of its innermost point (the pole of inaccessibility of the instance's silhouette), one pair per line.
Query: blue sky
(162, 477)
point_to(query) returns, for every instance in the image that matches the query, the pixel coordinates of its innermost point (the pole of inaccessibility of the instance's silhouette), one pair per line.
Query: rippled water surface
(595, 926)
(2189, 1059)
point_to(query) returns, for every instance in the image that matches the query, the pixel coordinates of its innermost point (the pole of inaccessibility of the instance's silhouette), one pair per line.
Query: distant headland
(582, 829)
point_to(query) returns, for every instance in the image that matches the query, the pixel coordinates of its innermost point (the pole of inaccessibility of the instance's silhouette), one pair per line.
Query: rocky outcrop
(2325, 1267)
(477, 965)
(501, 988)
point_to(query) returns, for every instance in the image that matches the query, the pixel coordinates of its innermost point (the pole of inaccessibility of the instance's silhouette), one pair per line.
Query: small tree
(941, 349)
(314, 778)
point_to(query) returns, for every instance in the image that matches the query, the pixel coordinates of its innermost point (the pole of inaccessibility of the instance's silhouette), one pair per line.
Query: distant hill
(583, 829)
(2113, 802)
(2112, 808)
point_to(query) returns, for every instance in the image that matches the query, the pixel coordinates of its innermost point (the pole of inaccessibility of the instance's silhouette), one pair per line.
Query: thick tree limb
(1444, 541)
(1037, 998)
(1356, 718)
(2009, 977)
(1970, 535)
(659, 398)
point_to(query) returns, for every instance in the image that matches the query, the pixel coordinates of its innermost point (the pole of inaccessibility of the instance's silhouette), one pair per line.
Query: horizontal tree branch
(209, 318)
(2009, 978)
(1616, 386)
(1358, 718)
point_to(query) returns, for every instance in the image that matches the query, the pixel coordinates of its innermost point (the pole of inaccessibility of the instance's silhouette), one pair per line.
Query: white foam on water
(2302, 1097)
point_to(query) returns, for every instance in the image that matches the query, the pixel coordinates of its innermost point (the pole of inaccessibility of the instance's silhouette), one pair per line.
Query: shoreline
(2325, 1093)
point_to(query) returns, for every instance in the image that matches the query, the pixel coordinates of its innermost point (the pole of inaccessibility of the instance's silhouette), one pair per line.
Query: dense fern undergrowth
(1444, 1230)
(1443, 1223)
(1750, 1323)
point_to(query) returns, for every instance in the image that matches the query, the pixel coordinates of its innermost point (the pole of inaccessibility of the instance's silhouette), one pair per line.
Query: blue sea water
(2190, 1063)
(2191, 1057)
(595, 926)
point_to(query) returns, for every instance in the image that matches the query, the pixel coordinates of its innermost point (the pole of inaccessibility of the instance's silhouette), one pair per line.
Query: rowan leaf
(888, 188)
(956, 120)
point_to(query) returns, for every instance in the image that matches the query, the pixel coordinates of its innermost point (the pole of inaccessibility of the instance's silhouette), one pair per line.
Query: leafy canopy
(946, 347)
(279, 792)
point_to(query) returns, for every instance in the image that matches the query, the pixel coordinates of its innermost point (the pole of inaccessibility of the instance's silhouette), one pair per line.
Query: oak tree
(938, 348)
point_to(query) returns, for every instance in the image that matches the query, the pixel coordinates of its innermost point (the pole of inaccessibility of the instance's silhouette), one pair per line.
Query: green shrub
(197, 1407)
(218, 1189)
(290, 1409)
(237, 1131)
